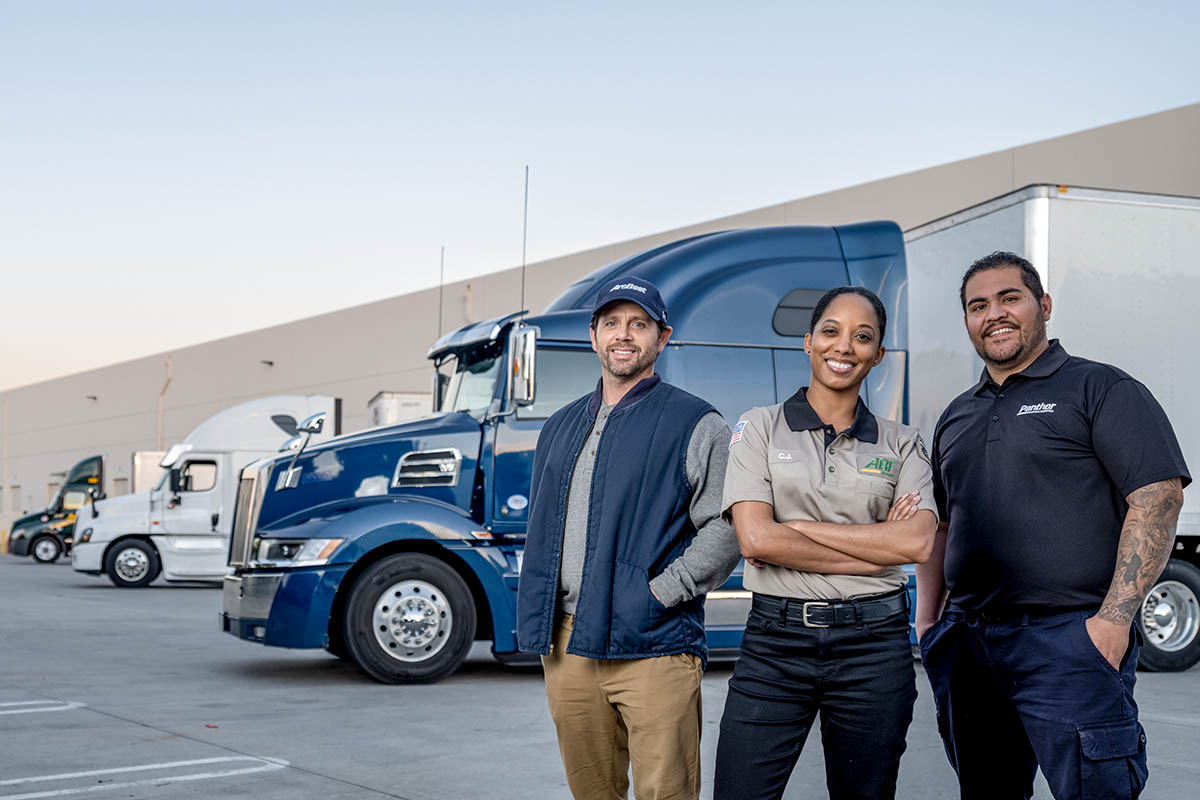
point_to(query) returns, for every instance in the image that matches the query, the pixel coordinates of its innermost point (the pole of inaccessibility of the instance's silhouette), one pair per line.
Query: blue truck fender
(409, 524)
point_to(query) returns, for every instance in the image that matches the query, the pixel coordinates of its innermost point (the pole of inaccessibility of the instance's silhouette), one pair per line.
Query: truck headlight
(295, 552)
(86, 536)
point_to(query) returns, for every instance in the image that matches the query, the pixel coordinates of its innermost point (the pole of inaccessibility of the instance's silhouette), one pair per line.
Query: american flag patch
(737, 433)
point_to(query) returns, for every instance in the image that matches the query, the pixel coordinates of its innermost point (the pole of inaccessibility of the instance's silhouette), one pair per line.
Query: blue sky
(177, 172)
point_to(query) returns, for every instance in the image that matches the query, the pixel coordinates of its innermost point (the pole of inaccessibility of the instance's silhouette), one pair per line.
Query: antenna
(524, 236)
(441, 289)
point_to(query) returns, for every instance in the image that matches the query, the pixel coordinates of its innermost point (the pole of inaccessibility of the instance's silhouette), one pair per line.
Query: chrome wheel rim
(1170, 616)
(45, 549)
(132, 564)
(412, 621)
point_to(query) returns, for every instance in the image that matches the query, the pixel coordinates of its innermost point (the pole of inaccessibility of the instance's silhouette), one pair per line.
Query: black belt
(832, 613)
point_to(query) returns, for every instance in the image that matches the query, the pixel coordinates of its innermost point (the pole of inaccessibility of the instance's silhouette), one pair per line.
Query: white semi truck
(1123, 270)
(180, 528)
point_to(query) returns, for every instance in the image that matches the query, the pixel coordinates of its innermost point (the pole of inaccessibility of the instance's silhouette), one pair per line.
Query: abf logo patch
(877, 465)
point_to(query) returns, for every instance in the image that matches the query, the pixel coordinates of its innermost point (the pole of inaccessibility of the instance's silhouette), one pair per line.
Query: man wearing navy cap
(625, 537)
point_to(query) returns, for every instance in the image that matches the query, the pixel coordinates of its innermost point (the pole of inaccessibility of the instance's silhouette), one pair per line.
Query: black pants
(859, 678)
(1012, 695)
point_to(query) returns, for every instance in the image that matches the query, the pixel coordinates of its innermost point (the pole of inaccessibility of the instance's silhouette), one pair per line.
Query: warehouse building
(149, 403)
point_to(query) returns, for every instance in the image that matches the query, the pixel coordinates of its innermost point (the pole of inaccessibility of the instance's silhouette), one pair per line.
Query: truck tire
(1170, 620)
(45, 549)
(409, 618)
(132, 564)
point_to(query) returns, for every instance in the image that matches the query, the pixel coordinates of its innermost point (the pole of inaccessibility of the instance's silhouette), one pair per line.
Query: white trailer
(1123, 270)
(181, 526)
(145, 469)
(393, 408)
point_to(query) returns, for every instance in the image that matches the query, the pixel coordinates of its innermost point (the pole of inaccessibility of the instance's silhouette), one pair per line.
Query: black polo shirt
(1032, 477)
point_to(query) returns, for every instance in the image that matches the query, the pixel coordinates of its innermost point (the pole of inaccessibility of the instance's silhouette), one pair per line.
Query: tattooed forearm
(1144, 548)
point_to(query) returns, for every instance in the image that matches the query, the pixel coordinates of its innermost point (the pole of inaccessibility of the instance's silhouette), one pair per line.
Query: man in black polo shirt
(1059, 482)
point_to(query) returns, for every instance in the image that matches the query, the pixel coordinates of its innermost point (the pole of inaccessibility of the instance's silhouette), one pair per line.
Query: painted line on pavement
(262, 764)
(38, 706)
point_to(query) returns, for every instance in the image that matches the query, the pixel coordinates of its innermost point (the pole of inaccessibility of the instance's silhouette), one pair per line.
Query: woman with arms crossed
(828, 500)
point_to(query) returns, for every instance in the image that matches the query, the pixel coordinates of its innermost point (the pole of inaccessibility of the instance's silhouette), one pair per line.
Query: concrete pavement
(136, 694)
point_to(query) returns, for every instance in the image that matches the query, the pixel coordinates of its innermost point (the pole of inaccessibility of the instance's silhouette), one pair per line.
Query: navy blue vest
(638, 523)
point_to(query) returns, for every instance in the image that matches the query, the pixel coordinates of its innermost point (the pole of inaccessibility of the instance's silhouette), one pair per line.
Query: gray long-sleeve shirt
(712, 553)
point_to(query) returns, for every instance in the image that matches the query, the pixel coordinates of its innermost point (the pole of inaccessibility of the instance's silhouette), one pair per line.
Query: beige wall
(356, 352)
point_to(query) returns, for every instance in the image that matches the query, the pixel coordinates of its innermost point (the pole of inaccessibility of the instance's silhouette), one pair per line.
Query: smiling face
(627, 341)
(1006, 323)
(844, 345)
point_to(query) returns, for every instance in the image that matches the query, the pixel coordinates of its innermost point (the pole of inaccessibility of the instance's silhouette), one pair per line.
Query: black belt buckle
(809, 604)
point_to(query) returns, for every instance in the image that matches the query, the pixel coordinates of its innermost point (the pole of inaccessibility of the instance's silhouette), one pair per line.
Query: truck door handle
(215, 517)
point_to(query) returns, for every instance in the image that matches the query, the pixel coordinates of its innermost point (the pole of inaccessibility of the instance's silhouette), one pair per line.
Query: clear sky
(174, 172)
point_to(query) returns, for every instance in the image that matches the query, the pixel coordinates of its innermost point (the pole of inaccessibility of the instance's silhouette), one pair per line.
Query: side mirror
(294, 443)
(290, 477)
(522, 353)
(176, 481)
(314, 424)
(93, 495)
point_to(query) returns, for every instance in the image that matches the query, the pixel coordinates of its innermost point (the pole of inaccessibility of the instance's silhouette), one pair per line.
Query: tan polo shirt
(785, 456)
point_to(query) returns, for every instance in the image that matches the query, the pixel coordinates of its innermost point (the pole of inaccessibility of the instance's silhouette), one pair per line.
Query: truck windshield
(56, 502)
(473, 382)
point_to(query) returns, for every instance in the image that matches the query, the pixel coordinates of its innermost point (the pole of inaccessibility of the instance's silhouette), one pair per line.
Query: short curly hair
(999, 260)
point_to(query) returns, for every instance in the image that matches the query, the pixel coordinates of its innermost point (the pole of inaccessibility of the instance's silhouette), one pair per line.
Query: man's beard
(1027, 342)
(627, 369)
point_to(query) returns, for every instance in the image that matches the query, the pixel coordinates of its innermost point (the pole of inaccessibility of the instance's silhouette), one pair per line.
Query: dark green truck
(46, 535)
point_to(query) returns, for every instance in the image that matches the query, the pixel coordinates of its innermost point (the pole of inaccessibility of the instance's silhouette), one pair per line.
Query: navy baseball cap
(635, 290)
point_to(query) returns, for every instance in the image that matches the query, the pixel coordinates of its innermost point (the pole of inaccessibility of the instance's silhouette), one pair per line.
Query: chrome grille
(428, 468)
(245, 516)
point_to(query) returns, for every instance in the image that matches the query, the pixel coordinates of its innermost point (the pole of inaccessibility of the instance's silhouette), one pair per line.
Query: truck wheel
(45, 549)
(1170, 620)
(131, 564)
(409, 618)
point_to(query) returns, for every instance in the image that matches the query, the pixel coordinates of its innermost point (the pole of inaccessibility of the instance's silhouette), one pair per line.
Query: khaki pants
(610, 713)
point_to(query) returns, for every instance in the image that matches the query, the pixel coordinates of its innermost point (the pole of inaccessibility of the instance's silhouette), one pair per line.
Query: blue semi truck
(398, 548)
